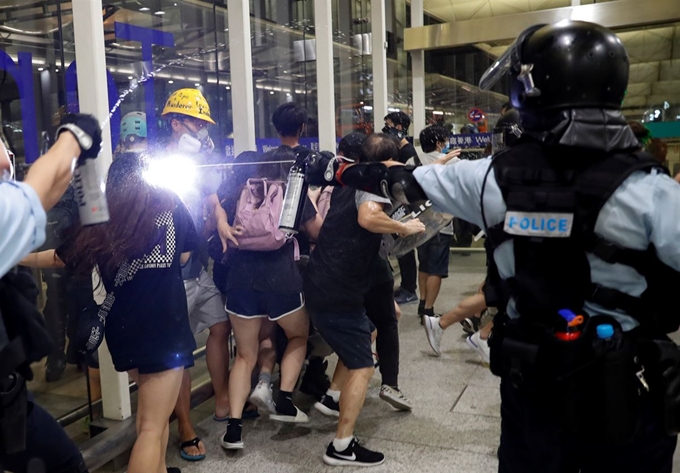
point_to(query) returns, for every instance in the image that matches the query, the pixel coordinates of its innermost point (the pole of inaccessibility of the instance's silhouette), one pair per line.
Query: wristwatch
(84, 140)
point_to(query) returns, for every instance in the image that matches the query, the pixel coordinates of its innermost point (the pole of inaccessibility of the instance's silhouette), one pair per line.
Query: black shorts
(250, 304)
(348, 334)
(433, 256)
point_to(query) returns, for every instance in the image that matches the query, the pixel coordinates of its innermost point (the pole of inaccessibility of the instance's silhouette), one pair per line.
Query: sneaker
(470, 325)
(354, 455)
(395, 398)
(55, 369)
(232, 439)
(405, 297)
(328, 407)
(262, 397)
(299, 417)
(480, 346)
(434, 333)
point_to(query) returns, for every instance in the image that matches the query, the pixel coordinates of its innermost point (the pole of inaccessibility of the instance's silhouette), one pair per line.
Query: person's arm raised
(50, 175)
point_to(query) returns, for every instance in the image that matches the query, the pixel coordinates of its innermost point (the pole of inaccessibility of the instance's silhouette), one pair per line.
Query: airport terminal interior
(349, 63)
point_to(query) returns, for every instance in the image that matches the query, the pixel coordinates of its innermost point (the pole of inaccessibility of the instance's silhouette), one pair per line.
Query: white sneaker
(262, 397)
(480, 346)
(434, 333)
(395, 398)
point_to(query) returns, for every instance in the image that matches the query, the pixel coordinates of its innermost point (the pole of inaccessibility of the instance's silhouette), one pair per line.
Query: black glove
(320, 169)
(86, 129)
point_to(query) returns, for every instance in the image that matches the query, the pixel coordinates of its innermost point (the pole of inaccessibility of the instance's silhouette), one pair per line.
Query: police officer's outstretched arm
(453, 189)
(23, 204)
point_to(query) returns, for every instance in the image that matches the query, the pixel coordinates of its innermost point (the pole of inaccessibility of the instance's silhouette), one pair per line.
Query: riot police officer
(579, 230)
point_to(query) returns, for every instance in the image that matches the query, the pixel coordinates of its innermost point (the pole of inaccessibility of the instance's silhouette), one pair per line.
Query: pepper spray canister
(89, 187)
(294, 200)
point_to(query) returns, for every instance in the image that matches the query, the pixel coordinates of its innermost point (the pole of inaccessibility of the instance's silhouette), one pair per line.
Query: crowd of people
(193, 245)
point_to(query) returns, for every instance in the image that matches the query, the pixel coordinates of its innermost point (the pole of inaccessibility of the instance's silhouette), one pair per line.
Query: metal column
(325, 79)
(379, 45)
(93, 97)
(241, 63)
(418, 72)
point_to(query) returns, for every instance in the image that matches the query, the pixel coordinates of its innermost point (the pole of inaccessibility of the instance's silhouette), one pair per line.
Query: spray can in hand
(88, 182)
(294, 200)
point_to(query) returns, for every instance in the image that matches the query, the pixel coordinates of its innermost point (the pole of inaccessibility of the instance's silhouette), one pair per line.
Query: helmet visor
(498, 69)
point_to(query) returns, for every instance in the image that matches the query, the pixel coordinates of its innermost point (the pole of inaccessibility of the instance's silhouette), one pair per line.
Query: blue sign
(477, 140)
(267, 144)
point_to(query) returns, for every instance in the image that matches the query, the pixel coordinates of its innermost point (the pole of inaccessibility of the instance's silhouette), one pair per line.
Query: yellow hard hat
(188, 102)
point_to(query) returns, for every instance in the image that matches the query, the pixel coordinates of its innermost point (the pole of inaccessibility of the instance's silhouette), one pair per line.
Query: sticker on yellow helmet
(188, 102)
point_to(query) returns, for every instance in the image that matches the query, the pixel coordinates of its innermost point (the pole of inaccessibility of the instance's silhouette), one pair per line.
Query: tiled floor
(454, 426)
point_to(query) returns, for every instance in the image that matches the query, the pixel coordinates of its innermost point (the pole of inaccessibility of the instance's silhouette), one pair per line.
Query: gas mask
(390, 130)
(193, 143)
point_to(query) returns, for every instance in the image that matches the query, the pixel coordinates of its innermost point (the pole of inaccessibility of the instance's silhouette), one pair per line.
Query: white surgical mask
(189, 144)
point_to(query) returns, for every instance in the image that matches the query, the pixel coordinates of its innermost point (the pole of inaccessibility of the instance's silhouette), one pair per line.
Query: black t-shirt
(407, 152)
(341, 267)
(266, 271)
(147, 322)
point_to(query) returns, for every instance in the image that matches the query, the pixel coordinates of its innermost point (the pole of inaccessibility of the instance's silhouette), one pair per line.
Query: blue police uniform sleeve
(664, 223)
(22, 220)
(457, 189)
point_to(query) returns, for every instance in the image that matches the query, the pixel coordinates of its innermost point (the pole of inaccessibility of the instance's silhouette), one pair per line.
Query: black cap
(350, 145)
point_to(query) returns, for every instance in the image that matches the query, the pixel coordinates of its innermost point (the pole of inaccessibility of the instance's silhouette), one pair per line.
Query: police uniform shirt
(22, 223)
(644, 210)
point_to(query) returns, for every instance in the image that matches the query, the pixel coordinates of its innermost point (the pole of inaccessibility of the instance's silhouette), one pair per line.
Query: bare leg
(467, 308)
(434, 283)
(352, 400)
(246, 333)
(266, 357)
(163, 468)
(183, 413)
(296, 326)
(422, 285)
(339, 376)
(397, 311)
(157, 396)
(217, 359)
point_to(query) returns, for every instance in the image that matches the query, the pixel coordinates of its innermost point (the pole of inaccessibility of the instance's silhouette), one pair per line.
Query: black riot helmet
(567, 65)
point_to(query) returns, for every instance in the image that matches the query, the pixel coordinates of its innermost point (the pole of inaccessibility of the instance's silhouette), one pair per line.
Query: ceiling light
(437, 112)
(171, 82)
(40, 69)
(228, 88)
(144, 9)
(197, 84)
(271, 92)
(159, 13)
(288, 94)
(56, 70)
(130, 77)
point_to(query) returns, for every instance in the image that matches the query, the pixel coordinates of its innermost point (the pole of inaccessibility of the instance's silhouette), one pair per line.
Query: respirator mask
(390, 130)
(193, 143)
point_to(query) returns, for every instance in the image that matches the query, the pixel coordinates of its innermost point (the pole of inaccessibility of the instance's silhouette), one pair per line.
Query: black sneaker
(405, 297)
(55, 369)
(354, 455)
(327, 406)
(232, 439)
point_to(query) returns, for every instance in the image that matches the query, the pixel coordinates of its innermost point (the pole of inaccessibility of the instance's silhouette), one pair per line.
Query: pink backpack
(324, 202)
(258, 211)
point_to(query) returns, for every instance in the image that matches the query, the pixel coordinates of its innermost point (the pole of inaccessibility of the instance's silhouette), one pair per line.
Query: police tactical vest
(553, 197)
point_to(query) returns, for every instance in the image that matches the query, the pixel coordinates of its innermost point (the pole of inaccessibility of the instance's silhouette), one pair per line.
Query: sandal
(185, 455)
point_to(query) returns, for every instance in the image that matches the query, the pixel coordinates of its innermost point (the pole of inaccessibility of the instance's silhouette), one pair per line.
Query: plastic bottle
(293, 201)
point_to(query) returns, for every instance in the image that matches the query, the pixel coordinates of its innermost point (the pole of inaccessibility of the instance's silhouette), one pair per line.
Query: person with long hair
(263, 288)
(139, 254)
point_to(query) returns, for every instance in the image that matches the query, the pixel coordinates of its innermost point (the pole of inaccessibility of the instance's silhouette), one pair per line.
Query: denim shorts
(433, 256)
(348, 334)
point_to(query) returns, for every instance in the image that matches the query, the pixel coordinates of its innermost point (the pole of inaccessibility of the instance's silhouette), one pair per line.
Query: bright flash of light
(176, 173)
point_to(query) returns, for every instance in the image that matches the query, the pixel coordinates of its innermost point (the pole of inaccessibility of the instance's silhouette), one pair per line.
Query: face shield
(511, 59)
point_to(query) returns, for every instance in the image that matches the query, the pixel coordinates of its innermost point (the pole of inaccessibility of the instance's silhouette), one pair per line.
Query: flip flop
(185, 455)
